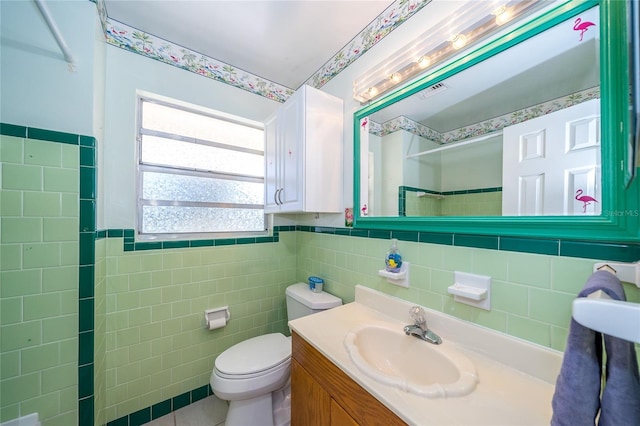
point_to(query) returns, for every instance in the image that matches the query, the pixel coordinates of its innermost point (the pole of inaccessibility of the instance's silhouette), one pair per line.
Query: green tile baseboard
(163, 408)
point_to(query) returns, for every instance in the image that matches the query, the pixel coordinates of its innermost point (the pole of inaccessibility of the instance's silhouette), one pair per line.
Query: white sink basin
(390, 357)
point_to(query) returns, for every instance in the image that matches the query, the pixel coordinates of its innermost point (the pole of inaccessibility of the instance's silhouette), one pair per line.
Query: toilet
(254, 375)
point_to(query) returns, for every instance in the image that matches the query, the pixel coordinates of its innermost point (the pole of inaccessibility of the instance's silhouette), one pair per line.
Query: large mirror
(516, 135)
(505, 134)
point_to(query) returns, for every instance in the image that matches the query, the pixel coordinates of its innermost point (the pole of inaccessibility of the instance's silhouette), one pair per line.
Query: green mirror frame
(620, 204)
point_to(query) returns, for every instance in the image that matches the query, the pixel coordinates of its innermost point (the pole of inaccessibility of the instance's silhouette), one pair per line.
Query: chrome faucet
(419, 329)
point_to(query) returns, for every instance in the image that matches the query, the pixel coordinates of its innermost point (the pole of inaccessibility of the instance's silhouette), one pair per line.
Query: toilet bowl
(254, 375)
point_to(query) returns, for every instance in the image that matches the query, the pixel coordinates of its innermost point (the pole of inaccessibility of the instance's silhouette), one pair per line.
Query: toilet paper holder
(216, 317)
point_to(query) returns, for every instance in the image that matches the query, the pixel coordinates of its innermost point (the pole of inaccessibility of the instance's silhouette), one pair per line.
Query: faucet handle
(417, 315)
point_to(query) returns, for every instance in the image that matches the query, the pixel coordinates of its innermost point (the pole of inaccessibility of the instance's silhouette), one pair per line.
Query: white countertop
(516, 378)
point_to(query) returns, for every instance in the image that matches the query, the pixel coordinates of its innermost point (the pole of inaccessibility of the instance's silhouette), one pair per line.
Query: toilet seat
(254, 357)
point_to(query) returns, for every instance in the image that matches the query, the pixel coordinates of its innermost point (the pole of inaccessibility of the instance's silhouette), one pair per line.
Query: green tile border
(530, 245)
(613, 251)
(163, 408)
(86, 255)
(13, 130)
(402, 194)
(131, 245)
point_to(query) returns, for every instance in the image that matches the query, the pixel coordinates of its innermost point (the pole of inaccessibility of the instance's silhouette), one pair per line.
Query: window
(198, 172)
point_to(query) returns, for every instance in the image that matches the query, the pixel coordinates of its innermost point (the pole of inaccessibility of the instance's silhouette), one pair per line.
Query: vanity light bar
(468, 25)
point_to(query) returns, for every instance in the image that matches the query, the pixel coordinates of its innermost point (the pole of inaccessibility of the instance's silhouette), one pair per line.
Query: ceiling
(284, 41)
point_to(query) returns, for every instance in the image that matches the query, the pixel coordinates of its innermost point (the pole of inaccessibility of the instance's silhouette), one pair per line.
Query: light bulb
(459, 41)
(372, 91)
(395, 77)
(503, 15)
(423, 61)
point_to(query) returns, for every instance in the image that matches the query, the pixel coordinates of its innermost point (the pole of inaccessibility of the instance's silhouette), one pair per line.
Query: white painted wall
(128, 73)
(392, 153)
(38, 88)
(98, 97)
(342, 86)
(473, 166)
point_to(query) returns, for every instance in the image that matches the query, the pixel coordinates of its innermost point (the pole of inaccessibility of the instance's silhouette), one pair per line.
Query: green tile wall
(531, 293)
(156, 345)
(39, 274)
(123, 318)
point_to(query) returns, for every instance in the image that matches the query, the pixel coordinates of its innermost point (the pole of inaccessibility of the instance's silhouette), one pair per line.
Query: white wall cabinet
(303, 154)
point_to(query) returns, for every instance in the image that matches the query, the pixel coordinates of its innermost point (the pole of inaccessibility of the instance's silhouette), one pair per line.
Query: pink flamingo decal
(364, 210)
(586, 200)
(582, 26)
(364, 123)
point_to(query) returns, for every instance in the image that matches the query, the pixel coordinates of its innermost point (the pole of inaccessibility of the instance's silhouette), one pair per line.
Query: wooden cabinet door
(339, 417)
(310, 403)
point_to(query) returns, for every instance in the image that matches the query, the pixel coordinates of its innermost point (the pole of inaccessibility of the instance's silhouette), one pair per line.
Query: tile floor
(210, 411)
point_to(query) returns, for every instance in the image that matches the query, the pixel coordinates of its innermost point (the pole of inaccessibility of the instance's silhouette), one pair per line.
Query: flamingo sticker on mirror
(583, 27)
(586, 200)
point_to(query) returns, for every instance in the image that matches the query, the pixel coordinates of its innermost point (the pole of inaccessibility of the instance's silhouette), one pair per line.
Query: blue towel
(576, 400)
(620, 404)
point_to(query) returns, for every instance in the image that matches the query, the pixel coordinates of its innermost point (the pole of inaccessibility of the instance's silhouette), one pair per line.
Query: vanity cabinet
(303, 154)
(323, 395)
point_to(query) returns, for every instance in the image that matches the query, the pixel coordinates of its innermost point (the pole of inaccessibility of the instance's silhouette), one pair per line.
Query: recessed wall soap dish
(400, 278)
(471, 289)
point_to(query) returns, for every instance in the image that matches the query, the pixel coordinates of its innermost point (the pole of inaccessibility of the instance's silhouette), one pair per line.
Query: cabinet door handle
(279, 194)
(276, 197)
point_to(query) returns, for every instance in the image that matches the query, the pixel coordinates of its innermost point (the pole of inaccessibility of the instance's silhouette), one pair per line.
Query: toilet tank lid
(304, 295)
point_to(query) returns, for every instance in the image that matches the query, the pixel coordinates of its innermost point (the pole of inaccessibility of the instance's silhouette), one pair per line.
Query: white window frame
(150, 167)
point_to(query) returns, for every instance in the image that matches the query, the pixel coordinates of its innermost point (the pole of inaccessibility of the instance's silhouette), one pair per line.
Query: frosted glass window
(198, 171)
(178, 219)
(168, 119)
(169, 152)
(166, 186)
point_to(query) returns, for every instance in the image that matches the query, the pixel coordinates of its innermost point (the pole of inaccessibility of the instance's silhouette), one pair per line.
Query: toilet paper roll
(216, 318)
(216, 323)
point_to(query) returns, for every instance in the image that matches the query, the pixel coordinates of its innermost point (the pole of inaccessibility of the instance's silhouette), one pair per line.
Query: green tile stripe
(131, 245)
(87, 259)
(621, 252)
(86, 256)
(404, 189)
(163, 408)
(472, 191)
(402, 194)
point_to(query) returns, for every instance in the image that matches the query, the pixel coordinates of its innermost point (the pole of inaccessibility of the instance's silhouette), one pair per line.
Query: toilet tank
(301, 301)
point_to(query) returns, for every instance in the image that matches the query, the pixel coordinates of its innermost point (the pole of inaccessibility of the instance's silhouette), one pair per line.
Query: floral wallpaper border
(483, 127)
(387, 21)
(128, 38)
(133, 40)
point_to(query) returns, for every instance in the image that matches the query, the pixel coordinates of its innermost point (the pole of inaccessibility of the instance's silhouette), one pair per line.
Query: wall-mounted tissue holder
(216, 318)
(471, 289)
